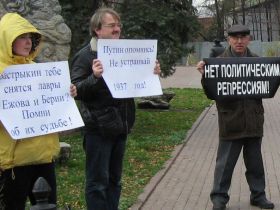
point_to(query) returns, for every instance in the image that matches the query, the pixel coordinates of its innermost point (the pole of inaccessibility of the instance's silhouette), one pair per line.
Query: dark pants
(227, 156)
(104, 161)
(16, 185)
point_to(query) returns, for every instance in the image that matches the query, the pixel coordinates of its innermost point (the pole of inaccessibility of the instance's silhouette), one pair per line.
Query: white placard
(35, 100)
(128, 67)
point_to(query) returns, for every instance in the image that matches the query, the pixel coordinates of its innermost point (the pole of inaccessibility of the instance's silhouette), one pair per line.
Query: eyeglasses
(241, 37)
(113, 25)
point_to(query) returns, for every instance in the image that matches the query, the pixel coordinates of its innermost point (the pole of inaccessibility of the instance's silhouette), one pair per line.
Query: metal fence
(202, 50)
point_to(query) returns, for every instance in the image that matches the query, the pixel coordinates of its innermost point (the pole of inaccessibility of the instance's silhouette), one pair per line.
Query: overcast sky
(197, 2)
(202, 12)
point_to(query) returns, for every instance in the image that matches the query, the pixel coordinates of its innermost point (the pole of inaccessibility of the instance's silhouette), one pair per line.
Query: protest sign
(128, 67)
(35, 100)
(245, 77)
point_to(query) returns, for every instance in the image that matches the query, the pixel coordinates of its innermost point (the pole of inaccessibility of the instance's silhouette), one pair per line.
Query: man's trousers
(227, 156)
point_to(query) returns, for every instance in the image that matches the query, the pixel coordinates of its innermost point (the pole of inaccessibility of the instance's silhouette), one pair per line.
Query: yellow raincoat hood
(13, 25)
(29, 151)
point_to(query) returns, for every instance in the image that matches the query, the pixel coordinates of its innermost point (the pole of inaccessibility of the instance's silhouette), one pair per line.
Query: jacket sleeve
(82, 75)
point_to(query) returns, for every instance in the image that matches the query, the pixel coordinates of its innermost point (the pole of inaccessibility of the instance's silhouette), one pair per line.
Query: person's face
(239, 43)
(110, 28)
(22, 45)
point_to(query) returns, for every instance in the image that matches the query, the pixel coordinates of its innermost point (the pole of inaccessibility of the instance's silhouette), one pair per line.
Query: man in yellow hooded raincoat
(23, 161)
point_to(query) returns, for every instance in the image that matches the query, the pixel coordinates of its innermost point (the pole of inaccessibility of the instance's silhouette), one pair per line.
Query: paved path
(184, 77)
(186, 180)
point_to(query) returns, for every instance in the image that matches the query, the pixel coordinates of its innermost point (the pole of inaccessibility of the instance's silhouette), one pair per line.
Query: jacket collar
(228, 53)
(237, 55)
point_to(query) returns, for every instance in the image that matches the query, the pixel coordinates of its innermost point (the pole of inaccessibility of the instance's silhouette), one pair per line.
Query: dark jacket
(94, 94)
(240, 118)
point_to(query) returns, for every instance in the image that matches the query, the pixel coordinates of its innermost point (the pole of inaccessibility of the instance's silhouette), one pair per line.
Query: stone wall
(45, 15)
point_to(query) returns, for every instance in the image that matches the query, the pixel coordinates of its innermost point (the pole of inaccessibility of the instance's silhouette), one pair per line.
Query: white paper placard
(129, 67)
(35, 100)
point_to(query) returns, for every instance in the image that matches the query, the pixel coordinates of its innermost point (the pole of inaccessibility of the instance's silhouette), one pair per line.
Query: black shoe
(262, 203)
(219, 207)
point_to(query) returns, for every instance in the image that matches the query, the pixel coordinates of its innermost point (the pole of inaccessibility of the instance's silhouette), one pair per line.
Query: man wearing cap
(240, 127)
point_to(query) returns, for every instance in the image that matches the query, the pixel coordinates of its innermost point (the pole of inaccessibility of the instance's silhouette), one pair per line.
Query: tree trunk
(219, 21)
(260, 19)
(252, 11)
(268, 21)
(95, 4)
(234, 16)
(256, 22)
(276, 6)
(243, 12)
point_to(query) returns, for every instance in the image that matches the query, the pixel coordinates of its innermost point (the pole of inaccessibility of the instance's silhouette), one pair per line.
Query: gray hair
(97, 18)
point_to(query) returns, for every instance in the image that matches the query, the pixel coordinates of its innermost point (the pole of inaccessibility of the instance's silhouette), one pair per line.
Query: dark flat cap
(238, 29)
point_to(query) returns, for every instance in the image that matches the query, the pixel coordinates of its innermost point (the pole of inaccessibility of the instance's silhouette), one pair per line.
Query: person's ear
(97, 31)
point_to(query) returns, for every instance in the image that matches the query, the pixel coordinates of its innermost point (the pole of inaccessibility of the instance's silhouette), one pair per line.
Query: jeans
(104, 163)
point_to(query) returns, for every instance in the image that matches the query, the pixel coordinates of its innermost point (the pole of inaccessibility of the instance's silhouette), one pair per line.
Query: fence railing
(202, 50)
(41, 191)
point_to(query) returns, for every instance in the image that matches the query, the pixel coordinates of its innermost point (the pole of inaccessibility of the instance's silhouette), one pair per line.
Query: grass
(155, 135)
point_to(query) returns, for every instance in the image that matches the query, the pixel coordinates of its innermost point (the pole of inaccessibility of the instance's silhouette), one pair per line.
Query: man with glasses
(104, 151)
(240, 127)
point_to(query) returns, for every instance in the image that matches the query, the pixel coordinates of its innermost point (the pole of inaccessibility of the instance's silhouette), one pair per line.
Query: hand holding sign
(97, 68)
